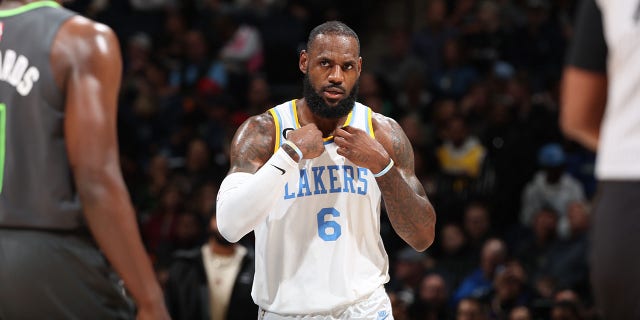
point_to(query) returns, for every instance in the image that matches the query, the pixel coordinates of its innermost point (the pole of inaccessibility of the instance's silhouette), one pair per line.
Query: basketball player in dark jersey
(62, 194)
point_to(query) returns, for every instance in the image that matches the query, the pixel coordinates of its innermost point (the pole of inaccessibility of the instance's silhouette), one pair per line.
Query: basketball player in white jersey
(601, 109)
(308, 177)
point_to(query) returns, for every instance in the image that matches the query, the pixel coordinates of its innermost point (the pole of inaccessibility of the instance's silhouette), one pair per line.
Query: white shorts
(375, 307)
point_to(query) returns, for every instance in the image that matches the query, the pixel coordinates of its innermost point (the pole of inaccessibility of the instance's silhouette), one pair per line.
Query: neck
(220, 249)
(326, 125)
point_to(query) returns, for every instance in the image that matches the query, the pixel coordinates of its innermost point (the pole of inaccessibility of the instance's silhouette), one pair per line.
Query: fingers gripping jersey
(320, 248)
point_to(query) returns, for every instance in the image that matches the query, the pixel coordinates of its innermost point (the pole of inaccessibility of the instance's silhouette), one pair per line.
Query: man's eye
(324, 63)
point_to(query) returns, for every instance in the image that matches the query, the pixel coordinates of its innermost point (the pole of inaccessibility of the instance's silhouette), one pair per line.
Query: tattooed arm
(256, 178)
(408, 208)
(252, 144)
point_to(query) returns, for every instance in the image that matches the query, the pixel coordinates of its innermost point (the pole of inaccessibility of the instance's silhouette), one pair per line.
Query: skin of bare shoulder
(79, 42)
(391, 136)
(253, 144)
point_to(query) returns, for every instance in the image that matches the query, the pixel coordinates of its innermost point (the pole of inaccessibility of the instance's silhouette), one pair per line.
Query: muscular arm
(584, 83)
(410, 212)
(256, 178)
(408, 208)
(584, 95)
(88, 56)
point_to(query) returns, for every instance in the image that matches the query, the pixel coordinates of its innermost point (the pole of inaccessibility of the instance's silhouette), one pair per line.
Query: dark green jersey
(36, 183)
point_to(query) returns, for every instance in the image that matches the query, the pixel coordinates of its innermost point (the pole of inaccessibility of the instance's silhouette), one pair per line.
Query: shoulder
(382, 122)
(387, 130)
(263, 119)
(261, 124)
(253, 143)
(82, 38)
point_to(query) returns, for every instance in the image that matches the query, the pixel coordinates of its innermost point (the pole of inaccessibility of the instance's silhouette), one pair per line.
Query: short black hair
(334, 28)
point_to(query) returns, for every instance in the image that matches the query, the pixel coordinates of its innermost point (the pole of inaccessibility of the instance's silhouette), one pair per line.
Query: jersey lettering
(340, 179)
(15, 70)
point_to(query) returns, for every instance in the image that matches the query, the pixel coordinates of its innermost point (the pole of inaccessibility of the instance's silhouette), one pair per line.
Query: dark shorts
(615, 255)
(46, 275)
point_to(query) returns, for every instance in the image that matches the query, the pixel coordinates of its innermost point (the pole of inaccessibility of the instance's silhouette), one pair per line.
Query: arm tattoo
(252, 145)
(407, 206)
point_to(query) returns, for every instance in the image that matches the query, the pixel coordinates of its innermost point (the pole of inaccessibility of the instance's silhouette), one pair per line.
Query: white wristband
(385, 170)
(295, 148)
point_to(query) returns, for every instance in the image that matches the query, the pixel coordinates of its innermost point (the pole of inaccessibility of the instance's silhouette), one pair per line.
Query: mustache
(334, 86)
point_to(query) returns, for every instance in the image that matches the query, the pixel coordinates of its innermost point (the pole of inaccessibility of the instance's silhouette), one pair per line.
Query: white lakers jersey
(320, 248)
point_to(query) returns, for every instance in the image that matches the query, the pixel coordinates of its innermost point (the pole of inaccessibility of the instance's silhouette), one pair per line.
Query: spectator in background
(398, 62)
(455, 77)
(485, 37)
(160, 226)
(566, 259)
(477, 226)
(199, 69)
(532, 249)
(538, 46)
(408, 270)
(156, 178)
(509, 291)
(189, 233)
(212, 282)
(203, 200)
(465, 173)
(471, 309)
(242, 54)
(197, 166)
(461, 154)
(432, 299)
(551, 186)
(480, 281)
(520, 313)
(565, 310)
(455, 258)
(374, 92)
(258, 95)
(428, 42)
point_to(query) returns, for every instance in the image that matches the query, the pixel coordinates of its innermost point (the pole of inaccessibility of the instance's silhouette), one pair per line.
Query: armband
(385, 170)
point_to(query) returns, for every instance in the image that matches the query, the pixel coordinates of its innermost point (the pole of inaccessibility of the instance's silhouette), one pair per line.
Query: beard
(320, 108)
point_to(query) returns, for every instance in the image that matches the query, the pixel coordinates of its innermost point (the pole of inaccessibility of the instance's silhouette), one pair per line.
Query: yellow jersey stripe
(276, 120)
(370, 123)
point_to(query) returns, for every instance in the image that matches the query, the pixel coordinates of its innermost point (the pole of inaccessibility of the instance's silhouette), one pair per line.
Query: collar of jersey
(28, 7)
(328, 139)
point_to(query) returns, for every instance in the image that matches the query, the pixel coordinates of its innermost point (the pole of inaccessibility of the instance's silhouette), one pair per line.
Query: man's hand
(357, 146)
(308, 139)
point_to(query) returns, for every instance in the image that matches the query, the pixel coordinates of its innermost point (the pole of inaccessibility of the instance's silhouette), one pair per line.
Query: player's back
(36, 183)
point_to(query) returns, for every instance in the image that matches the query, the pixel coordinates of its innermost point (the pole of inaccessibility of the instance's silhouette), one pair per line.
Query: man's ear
(303, 64)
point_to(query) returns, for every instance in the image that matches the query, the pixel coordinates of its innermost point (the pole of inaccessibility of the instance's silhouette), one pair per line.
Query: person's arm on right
(584, 83)
(257, 175)
(91, 79)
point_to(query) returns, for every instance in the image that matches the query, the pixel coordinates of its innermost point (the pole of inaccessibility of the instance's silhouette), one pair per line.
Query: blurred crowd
(474, 84)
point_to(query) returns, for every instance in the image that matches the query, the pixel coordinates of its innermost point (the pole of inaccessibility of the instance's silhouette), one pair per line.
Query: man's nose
(336, 76)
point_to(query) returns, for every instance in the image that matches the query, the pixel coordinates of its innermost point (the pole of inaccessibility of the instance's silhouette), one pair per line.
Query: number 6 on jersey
(328, 230)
